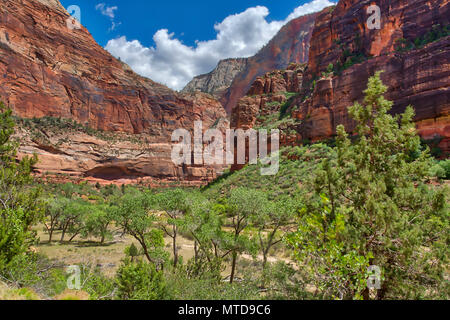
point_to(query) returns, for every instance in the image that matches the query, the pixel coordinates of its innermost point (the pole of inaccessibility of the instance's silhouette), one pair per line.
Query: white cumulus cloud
(174, 64)
(105, 10)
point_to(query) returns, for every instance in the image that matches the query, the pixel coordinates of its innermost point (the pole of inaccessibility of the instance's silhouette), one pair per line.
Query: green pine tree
(377, 210)
(20, 207)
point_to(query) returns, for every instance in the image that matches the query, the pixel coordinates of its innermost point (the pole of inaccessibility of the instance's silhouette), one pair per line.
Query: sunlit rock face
(49, 69)
(219, 80)
(417, 76)
(344, 53)
(290, 45)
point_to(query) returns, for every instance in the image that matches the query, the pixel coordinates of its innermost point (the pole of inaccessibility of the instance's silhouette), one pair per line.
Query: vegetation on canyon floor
(310, 232)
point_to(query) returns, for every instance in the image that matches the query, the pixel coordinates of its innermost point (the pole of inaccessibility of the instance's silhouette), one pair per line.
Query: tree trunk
(50, 236)
(144, 246)
(366, 294)
(174, 245)
(195, 251)
(382, 292)
(104, 231)
(264, 261)
(264, 266)
(233, 267)
(63, 234)
(216, 253)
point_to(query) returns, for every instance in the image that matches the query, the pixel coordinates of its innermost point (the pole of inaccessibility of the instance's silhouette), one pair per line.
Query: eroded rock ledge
(49, 70)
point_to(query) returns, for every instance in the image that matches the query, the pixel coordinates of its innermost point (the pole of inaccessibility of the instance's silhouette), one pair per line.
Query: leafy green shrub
(72, 295)
(347, 60)
(445, 164)
(437, 171)
(97, 285)
(284, 108)
(140, 281)
(290, 95)
(110, 190)
(272, 104)
(182, 288)
(402, 45)
(284, 282)
(433, 144)
(27, 293)
(21, 206)
(36, 272)
(193, 283)
(329, 71)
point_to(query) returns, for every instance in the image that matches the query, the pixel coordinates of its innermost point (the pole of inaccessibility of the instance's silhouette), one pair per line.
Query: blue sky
(172, 41)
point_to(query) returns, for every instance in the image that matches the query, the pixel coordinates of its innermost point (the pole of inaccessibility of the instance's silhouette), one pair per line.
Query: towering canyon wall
(48, 69)
(290, 45)
(417, 75)
(412, 47)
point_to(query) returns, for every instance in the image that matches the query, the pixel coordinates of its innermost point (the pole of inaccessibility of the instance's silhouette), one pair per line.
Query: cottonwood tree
(269, 222)
(134, 215)
(241, 208)
(72, 220)
(174, 206)
(204, 223)
(98, 221)
(53, 212)
(376, 209)
(68, 190)
(195, 223)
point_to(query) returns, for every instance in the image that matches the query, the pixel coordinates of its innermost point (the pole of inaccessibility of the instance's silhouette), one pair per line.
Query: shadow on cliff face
(113, 173)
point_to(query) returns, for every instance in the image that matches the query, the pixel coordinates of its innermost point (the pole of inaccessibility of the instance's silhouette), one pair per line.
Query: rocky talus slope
(49, 70)
(412, 47)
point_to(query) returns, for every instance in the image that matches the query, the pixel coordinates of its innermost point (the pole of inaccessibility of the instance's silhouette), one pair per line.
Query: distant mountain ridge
(290, 45)
(218, 80)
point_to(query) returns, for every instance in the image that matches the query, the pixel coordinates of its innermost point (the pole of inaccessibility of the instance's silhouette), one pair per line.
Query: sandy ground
(109, 255)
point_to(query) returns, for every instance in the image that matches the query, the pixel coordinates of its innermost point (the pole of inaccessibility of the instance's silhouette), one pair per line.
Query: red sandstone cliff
(290, 45)
(267, 105)
(344, 53)
(418, 76)
(48, 69)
